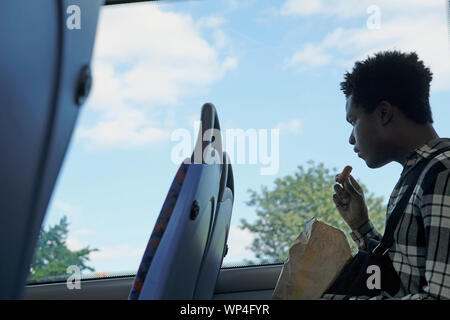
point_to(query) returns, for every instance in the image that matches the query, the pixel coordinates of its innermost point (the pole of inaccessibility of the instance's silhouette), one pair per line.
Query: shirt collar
(424, 152)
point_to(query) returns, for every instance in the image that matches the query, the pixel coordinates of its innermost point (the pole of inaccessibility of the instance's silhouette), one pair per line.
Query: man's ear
(385, 112)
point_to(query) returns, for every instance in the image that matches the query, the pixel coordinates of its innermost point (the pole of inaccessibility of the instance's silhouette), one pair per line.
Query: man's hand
(349, 201)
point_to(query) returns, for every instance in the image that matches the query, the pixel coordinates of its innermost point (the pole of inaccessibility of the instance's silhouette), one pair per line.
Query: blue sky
(264, 64)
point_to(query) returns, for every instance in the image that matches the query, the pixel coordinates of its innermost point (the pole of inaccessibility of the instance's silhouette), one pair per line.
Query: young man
(388, 107)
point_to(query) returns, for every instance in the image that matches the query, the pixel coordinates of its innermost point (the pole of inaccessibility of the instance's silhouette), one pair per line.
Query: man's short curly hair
(396, 77)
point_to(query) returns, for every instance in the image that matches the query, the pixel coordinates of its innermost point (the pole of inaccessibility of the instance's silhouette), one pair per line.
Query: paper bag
(315, 260)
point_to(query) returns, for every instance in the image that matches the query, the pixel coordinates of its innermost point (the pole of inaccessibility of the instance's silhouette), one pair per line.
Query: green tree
(295, 199)
(53, 256)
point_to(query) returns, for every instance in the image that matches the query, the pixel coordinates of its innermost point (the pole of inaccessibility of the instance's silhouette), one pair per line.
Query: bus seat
(186, 248)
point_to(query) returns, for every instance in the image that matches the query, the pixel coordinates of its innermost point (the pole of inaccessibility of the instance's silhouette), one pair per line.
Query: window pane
(272, 69)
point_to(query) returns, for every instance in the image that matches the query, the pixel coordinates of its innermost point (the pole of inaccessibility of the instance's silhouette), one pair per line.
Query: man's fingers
(343, 195)
(352, 187)
(355, 184)
(338, 202)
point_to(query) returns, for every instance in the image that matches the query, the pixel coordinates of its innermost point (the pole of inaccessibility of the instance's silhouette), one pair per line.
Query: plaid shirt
(420, 253)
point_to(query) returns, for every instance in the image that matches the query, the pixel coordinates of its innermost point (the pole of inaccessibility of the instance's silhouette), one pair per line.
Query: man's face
(367, 136)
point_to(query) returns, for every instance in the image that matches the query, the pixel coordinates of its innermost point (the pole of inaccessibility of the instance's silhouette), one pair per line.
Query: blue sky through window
(264, 64)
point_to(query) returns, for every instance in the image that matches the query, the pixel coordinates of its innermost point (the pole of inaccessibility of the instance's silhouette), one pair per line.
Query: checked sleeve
(435, 210)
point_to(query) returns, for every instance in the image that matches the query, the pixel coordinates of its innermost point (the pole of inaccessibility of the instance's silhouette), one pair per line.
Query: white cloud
(239, 242)
(293, 126)
(110, 253)
(295, 7)
(424, 31)
(352, 8)
(211, 22)
(309, 56)
(108, 258)
(125, 127)
(220, 39)
(146, 58)
(238, 4)
(74, 244)
(113, 253)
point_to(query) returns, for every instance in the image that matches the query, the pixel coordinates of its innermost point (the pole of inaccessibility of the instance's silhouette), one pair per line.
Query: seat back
(217, 245)
(158, 231)
(184, 254)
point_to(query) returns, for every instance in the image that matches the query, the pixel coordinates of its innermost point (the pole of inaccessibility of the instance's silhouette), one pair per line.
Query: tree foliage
(295, 199)
(53, 256)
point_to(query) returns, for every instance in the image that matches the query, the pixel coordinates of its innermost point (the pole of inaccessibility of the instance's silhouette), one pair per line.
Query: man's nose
(351, 140)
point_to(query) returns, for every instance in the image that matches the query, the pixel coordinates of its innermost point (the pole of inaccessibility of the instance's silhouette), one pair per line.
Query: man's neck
(419, 136)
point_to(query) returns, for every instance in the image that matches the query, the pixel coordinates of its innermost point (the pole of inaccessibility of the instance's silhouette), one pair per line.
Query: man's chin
(372, 166)
(375, 164)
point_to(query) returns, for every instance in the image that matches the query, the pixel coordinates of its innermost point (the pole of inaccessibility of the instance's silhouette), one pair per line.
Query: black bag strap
(388, 238)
